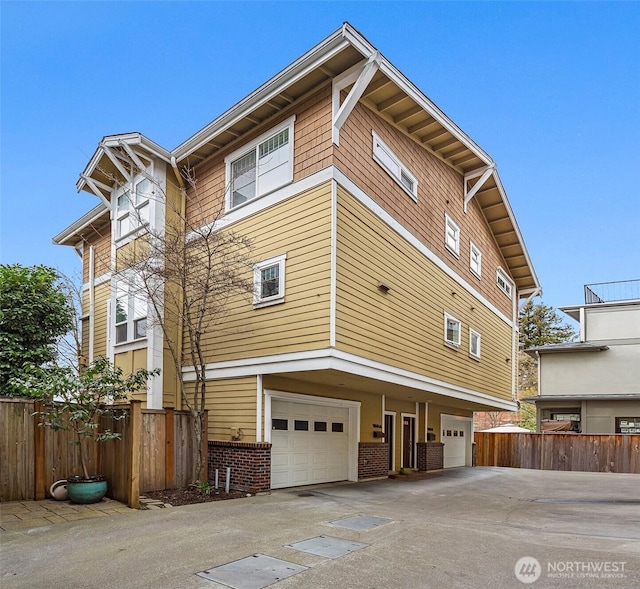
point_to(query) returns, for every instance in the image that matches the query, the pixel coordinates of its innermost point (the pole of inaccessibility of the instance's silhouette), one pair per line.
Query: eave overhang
(585, 397)
(568, 348)
(394, 98)
(88, 226)
(109, 164)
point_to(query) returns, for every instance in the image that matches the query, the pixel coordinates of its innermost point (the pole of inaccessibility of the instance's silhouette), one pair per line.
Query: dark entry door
(408, 433)
(388, 438)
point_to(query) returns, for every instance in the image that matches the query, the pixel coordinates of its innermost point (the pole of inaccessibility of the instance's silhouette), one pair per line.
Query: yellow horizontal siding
(102, 296)
(232, 403)
(301, 228)
(130, 362)
(405, 327)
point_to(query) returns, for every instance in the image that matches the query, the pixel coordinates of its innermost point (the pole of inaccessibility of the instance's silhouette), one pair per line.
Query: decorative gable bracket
(483, 174)
(360, 75)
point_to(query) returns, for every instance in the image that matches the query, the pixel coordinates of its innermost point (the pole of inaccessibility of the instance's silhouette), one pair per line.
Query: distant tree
(541, 325)
(34, 313)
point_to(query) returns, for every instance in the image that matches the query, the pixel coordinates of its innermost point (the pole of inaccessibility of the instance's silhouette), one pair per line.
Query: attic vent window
(261, 166)
(504, 283)
(391, 163)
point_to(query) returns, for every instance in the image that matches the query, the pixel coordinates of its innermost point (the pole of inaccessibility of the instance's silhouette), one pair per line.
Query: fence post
(39, 479)
(169, 451)
(205, 442)
(133, 490)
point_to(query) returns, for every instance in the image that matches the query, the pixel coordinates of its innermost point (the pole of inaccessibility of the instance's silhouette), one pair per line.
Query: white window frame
(393, 165)
(473, 334)
(260, 301)
(133, 304)
(452, 235)
(475, 259)
(452, 342)
(254, 146)
(138, 206)
(504, 283)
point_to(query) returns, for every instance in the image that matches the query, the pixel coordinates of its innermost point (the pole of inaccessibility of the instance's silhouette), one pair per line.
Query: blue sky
(550, 90)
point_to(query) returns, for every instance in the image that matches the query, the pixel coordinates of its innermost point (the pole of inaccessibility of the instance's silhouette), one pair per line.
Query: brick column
(430, 456)
(373, 460)
(250, 464)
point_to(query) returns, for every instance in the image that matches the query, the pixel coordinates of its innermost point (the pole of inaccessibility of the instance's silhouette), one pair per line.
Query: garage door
(456, 435)
(310, 444)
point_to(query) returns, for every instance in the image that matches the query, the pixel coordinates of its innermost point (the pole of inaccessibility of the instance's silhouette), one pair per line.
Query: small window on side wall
(451, 330)
(268, 281)
(394, 167)
(504, 282)
(452, 236)
(474, 344)
(475, 259)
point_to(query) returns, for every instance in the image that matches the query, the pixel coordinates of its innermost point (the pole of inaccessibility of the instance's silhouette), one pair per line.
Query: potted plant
(76, 401)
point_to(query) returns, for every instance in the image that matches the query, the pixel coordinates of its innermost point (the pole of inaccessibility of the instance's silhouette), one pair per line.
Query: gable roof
(390, 95)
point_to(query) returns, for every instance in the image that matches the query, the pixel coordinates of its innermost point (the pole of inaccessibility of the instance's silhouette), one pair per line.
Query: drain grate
(327, 546)
(361, 522)
(253, 572)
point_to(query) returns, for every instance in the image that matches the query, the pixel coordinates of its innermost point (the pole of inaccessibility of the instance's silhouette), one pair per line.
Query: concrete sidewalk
(465, 529)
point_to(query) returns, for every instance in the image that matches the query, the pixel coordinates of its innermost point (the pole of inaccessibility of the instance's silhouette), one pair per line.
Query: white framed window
(475, 259)
(261, 166)
(451, 330)
(130, 314)
(268, 281)
(452, 235)
(474, 344)
(394, 167)
(132, 206)
(504, 282)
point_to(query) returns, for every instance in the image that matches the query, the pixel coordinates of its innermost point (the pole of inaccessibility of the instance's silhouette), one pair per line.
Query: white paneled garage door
(456, 435)
(310, 444)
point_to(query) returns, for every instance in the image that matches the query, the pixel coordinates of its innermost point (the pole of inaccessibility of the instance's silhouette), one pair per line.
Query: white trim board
(332, 359)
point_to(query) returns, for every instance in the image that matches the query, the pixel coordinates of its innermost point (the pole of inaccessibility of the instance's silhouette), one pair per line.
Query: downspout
(92, 300)
(514, 350)
(179, 340)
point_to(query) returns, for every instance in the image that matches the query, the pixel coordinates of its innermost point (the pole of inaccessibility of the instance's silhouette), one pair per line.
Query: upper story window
(475, 259)
(132, 206)
(394, 167)
(268, 279)
(504, 282)
(474, 344)
(261, 166)
(451, 330)
(452, 235)
(130, 314)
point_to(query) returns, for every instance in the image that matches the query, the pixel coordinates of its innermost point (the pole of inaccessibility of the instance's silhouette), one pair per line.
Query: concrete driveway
(467, 528)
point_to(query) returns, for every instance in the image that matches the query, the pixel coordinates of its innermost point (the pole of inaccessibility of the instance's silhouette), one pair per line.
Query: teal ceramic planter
(86, 491)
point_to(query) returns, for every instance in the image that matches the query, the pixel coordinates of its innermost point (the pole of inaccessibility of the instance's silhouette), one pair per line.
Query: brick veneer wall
(373, 460)
(250, 464)
(430, 455)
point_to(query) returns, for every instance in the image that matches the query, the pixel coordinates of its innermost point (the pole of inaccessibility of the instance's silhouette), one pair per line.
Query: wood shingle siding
(301, 228)
(405, 327)
(440, 191)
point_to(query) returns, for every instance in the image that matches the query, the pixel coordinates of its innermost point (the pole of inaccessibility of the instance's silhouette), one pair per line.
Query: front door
(408, 436)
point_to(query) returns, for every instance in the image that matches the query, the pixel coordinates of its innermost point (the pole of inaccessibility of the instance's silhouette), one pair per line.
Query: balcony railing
(610, 292)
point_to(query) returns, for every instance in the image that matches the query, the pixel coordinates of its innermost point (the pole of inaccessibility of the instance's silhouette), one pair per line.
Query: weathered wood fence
(559, 451)
(154, 453)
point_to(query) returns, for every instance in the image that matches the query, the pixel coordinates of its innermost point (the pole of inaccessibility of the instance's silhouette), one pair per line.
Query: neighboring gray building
(593, 386)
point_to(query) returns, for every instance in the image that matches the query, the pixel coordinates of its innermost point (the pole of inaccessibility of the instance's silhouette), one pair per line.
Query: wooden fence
(154, 453)
(559, 451)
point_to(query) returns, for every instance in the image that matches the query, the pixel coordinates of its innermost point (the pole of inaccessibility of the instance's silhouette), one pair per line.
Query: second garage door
(456, 435)
(310, 444)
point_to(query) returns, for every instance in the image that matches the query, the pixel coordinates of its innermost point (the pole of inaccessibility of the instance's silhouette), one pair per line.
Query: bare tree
(69, 346)
(187, 271)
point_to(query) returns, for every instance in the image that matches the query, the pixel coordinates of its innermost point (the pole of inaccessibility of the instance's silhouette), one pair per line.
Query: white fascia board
(114, 141)
(315, 57)
(332, 359)
(87, 219)
(516, 229)
(398, 78)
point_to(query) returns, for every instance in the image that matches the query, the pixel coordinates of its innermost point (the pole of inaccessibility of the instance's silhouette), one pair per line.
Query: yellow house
(394, 266)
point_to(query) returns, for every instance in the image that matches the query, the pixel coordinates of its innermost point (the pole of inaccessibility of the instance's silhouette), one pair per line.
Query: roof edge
(87, 219)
